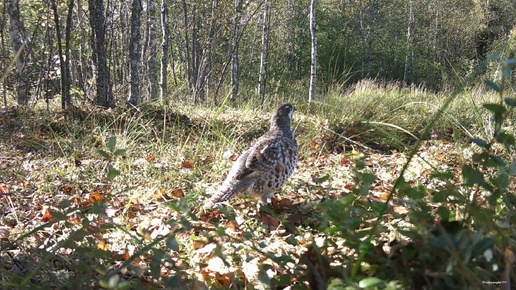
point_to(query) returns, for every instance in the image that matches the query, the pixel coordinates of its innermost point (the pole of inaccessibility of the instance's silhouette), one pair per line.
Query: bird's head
(282, 119)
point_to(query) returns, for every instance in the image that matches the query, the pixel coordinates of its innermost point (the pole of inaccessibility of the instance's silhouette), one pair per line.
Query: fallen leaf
(199, 243)
(150, 157)
(272, 222)
(47, 216)
(314, 145)
(207, 160)
(4, 189)
(178, 192)
(66, 189)
(188, 164)
(232, 226)
(160, 194)
(121, 255)
(102, 245)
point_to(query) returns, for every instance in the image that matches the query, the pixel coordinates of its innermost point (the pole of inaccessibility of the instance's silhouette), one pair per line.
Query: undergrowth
(390, 193)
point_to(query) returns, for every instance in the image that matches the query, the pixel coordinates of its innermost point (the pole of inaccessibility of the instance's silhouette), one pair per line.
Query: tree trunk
(65, 94)
(103, 79)
(262, 77)
(165, 40)
(134, 52)
(187, 45)
(153, 48)
(313, 54)
(4, 53)
(410, 27)
(16, 30)
(196, 57)
(209, 51)
(235, 66)
(67, 72)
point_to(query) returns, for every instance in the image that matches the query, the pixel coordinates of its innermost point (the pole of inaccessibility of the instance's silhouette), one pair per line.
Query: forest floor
(86, 210)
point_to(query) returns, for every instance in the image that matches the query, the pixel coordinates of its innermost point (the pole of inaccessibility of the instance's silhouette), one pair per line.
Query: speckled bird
(266, 165)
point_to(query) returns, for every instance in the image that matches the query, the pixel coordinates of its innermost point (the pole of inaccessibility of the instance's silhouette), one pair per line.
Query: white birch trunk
(262, 77)
(313, 54)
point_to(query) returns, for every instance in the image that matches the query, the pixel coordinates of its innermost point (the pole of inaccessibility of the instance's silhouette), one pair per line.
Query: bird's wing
(264, 155)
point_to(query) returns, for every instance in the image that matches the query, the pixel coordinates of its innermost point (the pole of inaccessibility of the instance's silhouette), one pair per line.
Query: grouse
(266, 165)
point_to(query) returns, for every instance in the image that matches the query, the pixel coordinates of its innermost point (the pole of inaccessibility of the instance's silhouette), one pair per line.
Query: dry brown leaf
(295, 218)
(272, 222)
(4, 189)
(207, 160)
(150, 157)
(103, 245)
(223, 280)
(345, 161)
(384, 196)
(188, 164)
(74, 219)
(200, 243)
(314, 145)
(66, 189)
(232, 225)
(178, 192)
(191, 139)
(47, 216)
(160, 194)
(97, 195)
(121, 255)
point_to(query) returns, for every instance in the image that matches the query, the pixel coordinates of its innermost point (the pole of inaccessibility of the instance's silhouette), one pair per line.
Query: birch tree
(313, 54)
(152, 64)
(262, 77)
(410, 27)
(134, 52)
(235, 66)
(18, 44)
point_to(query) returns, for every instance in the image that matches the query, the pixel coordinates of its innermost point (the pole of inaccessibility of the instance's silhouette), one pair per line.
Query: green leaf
(370, 282)
(493, 85)
(112, 172)
(481, 246)
(512, 168)
(172, 243)
(155, 263)
(497, 160)
(506, 139)
(494, 57)
(119, 152)
(472, 176)
(444, 212)
(495, 108)
(510, 62)
(440, 196)
(322, 179)
(104, 154)
(111, 143)
(510, 102)
(441, 175)
(347, 199)
(480, 142)
(506, 72)
(368, 178)
(173, 281)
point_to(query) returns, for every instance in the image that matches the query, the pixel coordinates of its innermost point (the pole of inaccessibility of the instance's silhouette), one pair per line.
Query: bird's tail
(225, 192)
